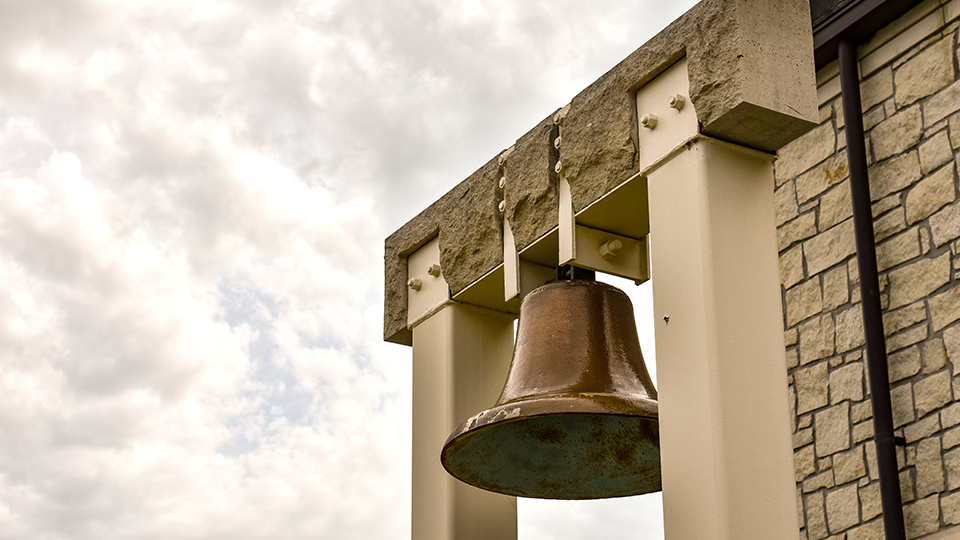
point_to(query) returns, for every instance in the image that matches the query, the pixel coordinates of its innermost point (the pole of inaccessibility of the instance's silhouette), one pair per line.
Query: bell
(577, 418)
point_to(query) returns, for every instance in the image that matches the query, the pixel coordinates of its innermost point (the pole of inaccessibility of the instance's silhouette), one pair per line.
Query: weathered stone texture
(835, 206)
(932, 393)
(935, 152)
(930, 195)
(951, 462)
(800, 155)
(889, 224)
(901, 403)
(897, 133)
(942, 105)
(875, 89)
(832, 429)
(945, 308)
(835, 289)
(922, 517)
(842, 508)
(893, 175)
(846, 383)
(869, 531)
(950, 508)
(849, 466)
(849, 329)
(816, 517)
(929, 467)
(907, 338)
(829, 248)
(919, 279)
(898, 249)
(530, 184)
(821, 177)
(812, 384)
(801, 228)
(803, 301)
(785, 201)
(903, 364)
(925, 73)
(895, 321)
(804, 462)
(816, 339)
(791, 268)
(945, 224)
(922, 429)
(870, 501)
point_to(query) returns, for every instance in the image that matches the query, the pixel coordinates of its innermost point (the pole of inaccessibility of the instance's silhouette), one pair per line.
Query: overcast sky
(193, 200)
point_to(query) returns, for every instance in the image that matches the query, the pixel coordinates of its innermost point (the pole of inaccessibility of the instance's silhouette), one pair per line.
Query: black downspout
(870, 294)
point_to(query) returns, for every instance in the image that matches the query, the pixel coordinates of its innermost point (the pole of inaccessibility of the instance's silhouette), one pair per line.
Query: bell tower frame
(662, 169)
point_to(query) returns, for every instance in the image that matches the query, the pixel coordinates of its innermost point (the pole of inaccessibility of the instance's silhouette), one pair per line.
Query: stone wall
(911, 102)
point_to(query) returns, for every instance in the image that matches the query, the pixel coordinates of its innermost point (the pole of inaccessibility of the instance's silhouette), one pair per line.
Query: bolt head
(677, 101)
(415, 283)
(503, 182)
(434, 270)
(649, 121)
(502, 206)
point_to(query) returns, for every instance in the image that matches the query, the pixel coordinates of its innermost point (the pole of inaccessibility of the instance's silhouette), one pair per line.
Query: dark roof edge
(856, 21)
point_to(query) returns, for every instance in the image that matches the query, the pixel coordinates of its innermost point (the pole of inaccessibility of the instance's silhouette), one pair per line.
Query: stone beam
(751, 80)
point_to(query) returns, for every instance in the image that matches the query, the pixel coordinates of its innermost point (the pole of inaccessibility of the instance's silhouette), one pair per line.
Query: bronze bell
(577, 418)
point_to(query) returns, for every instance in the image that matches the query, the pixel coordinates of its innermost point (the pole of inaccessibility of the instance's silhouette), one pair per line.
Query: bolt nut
(503, 182)
(415, 283)
(434, 270)
(558, 167)
(677, 101)
(558, 119)
(556, 143)
(649, 121)
(502, 206)
(610, 249)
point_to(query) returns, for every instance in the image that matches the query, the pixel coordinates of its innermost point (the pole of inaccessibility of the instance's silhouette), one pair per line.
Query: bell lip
(579, 283)
(639, 408)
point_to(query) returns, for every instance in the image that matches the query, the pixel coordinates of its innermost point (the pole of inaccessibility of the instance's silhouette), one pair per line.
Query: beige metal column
(461, 355)
(724, 432)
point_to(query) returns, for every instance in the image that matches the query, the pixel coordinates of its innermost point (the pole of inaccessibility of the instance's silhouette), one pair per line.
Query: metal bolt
(677, 101)
(556, 143)
(502, 206)
(503, 182)
(500, 159)
(558, 119)
(434, 270)
(414, 283)
(558, 167)
(610, 249)
(649, 120)
(666, 319)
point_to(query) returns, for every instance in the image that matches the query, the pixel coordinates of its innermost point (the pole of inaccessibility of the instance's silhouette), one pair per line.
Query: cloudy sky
(193, 201)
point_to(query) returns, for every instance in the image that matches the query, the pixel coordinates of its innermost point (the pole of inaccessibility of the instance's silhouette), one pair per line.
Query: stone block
(942, 105)
(945, 224)
(951, 462)
(945, 308)
(861, 411)
(889, 224)
(955, 131)
(875, 89)
(907, 338)
(862, 432)
(919, 279)
(849, 329)
(849, 466)
(816, 517)
(951, 342)
(832, 429)
(790, 337)
(835, 206)
(833, 171)
(853, 270)
(925, 73)
(804, 462)
(802, 437)
(785, 203)
(870, 452)
(895, 321)
(894, 175)
(897, 133)
(951, 438)
(901, 403)
(922, 517)
(929, 467)
(930, 195)
(811, 384)
(932, 392)
(873, 118)
(791, 267)
(806, 151)
(531, 184)
(898, 250)
(935, 152)
(836, 289)
(885, 204)
(870, 506)
(950, 416)
(829, 247)
(816, 339)
(868, 531)
(843, 509)
(803, 301)
(819, 481)
(903, 364)
(921, 429)
(906, 485)
(846, 383)
(950, 508)
(799, 229)
(793, 358)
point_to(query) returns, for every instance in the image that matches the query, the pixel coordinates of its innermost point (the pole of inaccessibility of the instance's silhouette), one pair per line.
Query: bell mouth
(577, 446)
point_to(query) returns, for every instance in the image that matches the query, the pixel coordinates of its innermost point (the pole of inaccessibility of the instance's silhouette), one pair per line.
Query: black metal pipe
(870, 294)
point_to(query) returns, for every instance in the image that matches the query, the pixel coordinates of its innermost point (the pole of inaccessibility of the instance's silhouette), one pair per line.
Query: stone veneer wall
(911, 102)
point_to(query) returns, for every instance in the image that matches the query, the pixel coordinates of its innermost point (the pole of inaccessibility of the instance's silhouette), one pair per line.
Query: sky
(193, 200)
